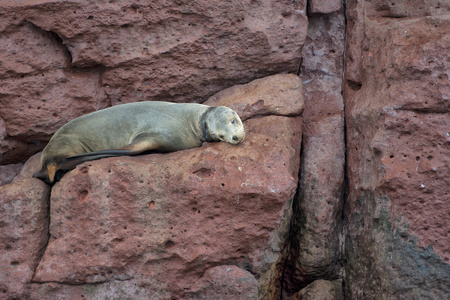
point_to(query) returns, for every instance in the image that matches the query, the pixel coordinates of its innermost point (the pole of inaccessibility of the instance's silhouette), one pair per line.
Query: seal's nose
(237, 139)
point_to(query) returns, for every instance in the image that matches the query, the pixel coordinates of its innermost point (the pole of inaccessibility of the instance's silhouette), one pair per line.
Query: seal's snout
(238, 138)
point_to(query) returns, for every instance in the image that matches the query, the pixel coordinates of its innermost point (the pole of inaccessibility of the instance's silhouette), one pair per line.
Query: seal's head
(225, 125)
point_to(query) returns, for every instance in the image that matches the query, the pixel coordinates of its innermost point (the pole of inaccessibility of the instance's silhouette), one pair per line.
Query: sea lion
(134, 128)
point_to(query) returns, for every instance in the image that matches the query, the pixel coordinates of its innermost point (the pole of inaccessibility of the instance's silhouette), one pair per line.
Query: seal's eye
(221, 136)
(233, 121)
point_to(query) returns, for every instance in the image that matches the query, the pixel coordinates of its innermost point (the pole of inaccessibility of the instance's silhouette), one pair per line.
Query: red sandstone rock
(396, 92)
(225, 282)
(39, 91)
(8, 172)
(162, 220)
(321, 190)
(119, 289)
(161, 214)
(23, 233)
(62, 59)
(399, 160)
(315, 250)
(406, 8)
(272, 95)
(29, 167)
(324, 7)
(320, 290)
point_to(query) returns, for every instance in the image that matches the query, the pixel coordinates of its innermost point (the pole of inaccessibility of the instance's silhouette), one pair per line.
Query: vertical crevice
(291, 253)
(344, 4)
(299, 70)
(346, 185)
(44, 248)
(293, 279)
(346, 179)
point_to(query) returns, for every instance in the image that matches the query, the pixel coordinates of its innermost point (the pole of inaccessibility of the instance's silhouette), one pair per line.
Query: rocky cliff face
(340, 190)
(398, 118)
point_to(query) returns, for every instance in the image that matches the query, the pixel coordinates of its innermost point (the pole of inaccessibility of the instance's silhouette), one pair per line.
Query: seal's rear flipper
(56, 171)
(40, 174)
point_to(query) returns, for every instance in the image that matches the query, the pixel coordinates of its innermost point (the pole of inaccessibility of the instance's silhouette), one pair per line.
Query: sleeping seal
(134, 128)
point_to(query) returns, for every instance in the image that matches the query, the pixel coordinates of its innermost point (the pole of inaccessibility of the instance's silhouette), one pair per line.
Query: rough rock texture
(23, 233)
(324, 7)
(63, 59)
(274, 95)
(40, 91)
(225, 282)
(8, 172)
(165, 225)
(218, 221)
(319, 210)
(29, 167)
(123, 218)
(397, 112)
(320, 290)
(405, 8)
(314, 250)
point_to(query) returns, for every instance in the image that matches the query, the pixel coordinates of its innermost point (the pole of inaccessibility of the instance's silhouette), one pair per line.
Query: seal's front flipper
(101, 154)
(74, 160)
(139, 145)
(134, 148)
